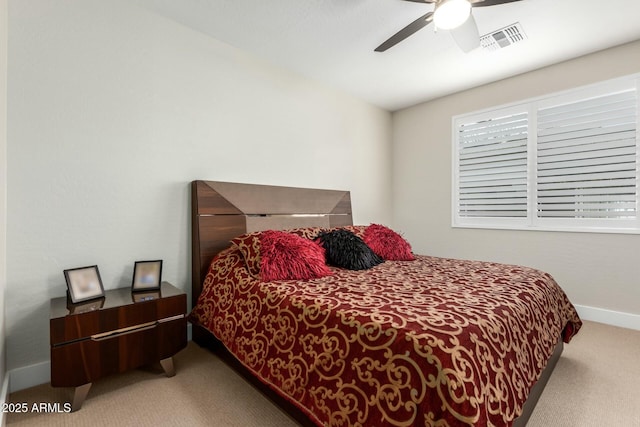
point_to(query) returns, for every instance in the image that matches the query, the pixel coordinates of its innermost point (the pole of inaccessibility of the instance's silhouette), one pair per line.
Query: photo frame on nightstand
(84, 283)
(147, 275)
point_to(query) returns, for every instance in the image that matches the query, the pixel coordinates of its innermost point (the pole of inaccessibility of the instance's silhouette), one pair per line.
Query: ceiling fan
(452, 15)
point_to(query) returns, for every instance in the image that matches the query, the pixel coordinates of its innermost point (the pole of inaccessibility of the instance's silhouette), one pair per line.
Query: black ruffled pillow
(346, 250)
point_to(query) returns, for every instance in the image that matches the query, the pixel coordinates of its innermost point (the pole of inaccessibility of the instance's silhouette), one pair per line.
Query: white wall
(596, 270)
(3, 194)
(112, 111)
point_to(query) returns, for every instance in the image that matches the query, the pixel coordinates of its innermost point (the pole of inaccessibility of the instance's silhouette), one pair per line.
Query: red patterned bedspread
(431, 342)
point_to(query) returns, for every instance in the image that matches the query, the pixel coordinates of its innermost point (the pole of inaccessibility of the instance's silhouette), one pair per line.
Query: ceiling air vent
(503, 37)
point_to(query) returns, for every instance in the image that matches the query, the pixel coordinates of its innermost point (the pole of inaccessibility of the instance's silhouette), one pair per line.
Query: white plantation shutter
(493, 167)
(564, 162)
(586, 155)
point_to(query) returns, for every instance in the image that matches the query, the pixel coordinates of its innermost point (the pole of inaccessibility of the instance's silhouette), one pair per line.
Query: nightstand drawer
(120, 311)
(104, 354)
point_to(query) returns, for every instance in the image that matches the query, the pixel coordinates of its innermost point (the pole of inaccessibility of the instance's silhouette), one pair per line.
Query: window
(568, 162)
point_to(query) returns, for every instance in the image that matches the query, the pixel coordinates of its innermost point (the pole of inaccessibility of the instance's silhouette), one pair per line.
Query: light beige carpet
(596, 383)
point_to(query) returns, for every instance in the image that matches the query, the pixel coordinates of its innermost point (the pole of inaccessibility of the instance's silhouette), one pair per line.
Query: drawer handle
(172, 318)
(123, 331)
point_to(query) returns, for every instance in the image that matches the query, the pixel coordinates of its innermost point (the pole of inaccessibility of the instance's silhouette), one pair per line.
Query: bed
(426, 341)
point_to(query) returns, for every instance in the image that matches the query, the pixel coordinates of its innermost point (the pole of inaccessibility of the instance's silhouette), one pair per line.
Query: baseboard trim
(609, 317)
(29, 376)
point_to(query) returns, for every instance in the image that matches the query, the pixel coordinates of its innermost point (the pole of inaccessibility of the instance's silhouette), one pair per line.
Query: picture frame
(84, 283)
(147, 275)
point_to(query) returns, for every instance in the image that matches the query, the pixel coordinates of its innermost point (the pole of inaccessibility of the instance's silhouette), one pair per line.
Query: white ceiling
(332, 41)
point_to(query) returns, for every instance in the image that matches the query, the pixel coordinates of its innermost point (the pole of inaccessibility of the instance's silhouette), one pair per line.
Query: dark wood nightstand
(116, 333)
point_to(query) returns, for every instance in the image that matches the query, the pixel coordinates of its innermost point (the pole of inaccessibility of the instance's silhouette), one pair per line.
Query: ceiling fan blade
(422, 1)
(484, 3)
(419, 23)
(466, 35)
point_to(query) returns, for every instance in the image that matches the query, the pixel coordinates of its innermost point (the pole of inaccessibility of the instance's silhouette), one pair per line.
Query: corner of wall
(3, 196)
(4, 398)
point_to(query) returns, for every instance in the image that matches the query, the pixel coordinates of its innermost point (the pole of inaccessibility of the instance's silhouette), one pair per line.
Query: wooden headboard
(221, 211)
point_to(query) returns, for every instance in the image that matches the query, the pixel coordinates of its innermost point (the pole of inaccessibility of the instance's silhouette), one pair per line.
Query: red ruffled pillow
(387, 243)
(285, 256)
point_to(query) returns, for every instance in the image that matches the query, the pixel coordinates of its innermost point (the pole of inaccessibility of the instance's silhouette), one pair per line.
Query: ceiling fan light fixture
(451, 14)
